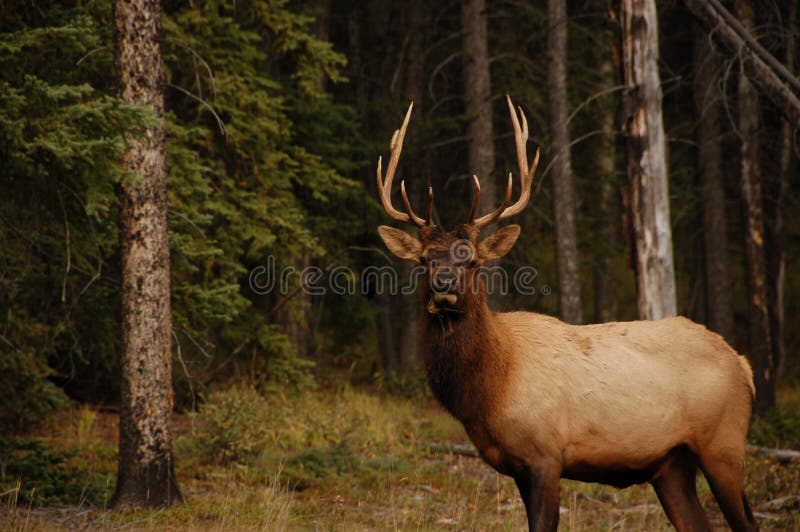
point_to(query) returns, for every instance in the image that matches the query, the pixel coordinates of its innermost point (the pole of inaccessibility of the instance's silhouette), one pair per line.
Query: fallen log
(782, 455)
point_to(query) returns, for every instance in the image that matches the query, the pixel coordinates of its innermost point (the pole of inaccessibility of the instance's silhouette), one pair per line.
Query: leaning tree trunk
(478, 97)
(566, 240)
(647, 160)
(145, 476)
(760, 349)
(773, 78)
(719, 304)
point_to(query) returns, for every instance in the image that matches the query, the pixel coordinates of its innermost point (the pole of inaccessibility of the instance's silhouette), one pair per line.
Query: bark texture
(719, 303)
(478, 98)
(777, 262)
(760, 351)
(146, 474)
(564, 205)
(608, 232)
(647, 161)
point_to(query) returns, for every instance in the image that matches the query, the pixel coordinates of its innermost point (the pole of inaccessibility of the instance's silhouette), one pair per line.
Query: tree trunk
(609, 229)
(295, 319)
(758, 310)
(566, 240)
(146, 474)
(414, 91)
(647, 160)
(608, 233)
(719, 304)
(478, 98)
(777, 262)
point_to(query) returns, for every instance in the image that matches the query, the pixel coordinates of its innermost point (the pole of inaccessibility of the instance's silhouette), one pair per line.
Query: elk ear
(400, 243)
(498, 243)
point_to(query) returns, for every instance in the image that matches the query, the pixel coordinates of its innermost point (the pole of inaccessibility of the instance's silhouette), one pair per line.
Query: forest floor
(347, 459)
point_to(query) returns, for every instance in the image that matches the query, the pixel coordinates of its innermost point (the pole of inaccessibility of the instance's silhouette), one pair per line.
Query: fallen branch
(789, 502)
(782, 455)
(463, 449)
(759, 65)
(467, 449)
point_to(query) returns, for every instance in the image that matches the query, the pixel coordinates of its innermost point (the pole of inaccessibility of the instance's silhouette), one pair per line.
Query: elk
(616, 403)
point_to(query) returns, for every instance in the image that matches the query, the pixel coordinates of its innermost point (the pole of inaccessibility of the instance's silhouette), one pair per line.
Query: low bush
(231, 426)
(31, 472)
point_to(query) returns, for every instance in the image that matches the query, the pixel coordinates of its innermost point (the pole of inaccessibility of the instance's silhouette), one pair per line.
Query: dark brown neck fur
(465, 357)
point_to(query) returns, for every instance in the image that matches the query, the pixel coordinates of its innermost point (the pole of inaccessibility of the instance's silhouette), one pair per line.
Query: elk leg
(540, 489)
(677, 493)
(725, 475)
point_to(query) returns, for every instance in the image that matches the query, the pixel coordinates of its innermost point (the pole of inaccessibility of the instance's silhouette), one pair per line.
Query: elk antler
(385, 185)
(526, 175)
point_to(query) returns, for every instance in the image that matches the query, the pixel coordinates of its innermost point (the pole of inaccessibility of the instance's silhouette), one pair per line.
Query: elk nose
(444, 281)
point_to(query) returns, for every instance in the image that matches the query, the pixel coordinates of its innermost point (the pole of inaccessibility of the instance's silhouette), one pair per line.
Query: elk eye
(473, 262)
(423, 260)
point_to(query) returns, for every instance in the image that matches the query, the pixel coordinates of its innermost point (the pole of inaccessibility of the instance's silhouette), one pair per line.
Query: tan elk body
(617, 403)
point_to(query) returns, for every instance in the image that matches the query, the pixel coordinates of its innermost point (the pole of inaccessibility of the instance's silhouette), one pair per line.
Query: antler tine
(430, 205)
(475, 200)
(413, 217)
(526, 174)
(385, 184)
(520, 138)
(496, 214)
(396, 147)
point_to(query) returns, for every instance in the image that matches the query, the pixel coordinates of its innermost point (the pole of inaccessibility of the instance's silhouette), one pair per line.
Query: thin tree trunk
(719, 304)
(414, 89)
(777, 264)
(295, 318)
(608, 231)
(606, 301)
(758, 309)
(566, 240)
(647, 161)
(477, 97)
(146, 475)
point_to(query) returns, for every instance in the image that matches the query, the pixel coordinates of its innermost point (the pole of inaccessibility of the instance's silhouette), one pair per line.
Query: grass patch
(346, 459)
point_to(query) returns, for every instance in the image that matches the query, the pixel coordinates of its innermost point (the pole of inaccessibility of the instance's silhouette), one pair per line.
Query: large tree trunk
(758, 309)
(146, 474)
(719, 304)
(478, 98)
(647, 160)
(566, 240)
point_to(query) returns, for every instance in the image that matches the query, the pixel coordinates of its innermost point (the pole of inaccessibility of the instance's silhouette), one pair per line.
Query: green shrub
(778, 428)
(34, 473)
(26, 396)
(231, 426)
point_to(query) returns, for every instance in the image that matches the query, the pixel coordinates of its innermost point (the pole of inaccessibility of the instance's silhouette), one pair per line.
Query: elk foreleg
(539, 489)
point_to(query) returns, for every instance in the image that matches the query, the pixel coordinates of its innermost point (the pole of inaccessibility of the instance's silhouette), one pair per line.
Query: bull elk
(616, 403)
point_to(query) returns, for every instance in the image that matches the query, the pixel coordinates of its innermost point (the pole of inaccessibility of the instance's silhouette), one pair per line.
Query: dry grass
(369, 469)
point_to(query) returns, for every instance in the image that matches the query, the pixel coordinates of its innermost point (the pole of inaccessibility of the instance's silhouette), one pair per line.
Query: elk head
(452, 258)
